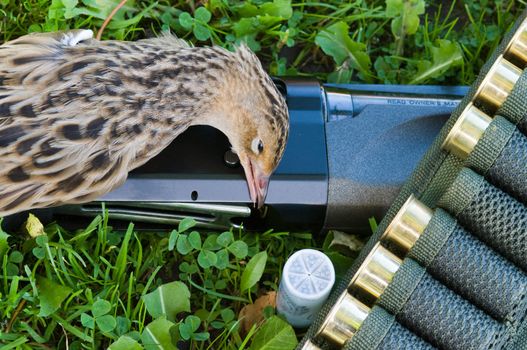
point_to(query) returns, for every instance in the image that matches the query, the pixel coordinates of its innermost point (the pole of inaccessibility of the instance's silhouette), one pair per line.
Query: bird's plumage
(77, 114)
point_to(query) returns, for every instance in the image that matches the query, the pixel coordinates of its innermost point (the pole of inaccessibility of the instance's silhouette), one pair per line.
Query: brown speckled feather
(76, 117)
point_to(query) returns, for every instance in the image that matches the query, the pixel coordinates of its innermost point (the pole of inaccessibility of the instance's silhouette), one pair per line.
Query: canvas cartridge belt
(447, 266)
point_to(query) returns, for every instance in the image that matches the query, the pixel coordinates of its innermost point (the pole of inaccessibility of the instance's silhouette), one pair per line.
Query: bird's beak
(257, 182)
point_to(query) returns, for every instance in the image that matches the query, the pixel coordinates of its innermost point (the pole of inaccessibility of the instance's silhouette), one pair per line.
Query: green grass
(393, 41)
(93, 287)
(86, 289)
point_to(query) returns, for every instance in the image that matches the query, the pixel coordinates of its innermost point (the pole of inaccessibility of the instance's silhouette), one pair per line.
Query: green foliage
(254, 270)
(228, 319)
(348, 54)
(100, 317)
(197, 24)
(408, 41)
(213, 252)
(3, 242)
(373, 224)
(341, 253)
(444, 56)
(51, 295)
(276, 334)
(160, 334)
(168, 300)
(125, 343)
(188, 329)
(97, 287)
(405, 14)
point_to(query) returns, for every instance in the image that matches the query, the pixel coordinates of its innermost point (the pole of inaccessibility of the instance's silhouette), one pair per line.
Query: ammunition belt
(447, 267)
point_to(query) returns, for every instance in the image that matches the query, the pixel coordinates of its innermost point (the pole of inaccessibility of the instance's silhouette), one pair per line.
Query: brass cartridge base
(497, 85)
(516, 52)
(375, 273)
(408, 225)
(308, 345)
(343, 320)
(467, 131)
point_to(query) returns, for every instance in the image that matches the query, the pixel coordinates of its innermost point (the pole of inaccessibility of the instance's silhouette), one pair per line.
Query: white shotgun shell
(307, 279)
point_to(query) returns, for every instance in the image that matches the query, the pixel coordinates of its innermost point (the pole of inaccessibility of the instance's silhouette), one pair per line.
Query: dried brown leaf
(253, 313)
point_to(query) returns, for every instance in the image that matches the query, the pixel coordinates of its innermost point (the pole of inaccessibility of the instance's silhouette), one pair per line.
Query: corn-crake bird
(77, 114)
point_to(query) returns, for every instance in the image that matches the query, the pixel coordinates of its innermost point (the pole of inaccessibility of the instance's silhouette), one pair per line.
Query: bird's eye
(257, 146)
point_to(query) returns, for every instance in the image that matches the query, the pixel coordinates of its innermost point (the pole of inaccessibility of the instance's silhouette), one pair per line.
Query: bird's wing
(35, 55)
(44, 164)
(59, 141)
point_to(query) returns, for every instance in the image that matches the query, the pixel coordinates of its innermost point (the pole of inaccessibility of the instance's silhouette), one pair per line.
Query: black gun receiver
(350, 149)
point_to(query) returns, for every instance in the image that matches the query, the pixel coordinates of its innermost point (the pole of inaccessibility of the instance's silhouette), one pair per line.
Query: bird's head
(262, 127)
(243, 102)
(259, 146)
(253, 114)
(258, 136)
